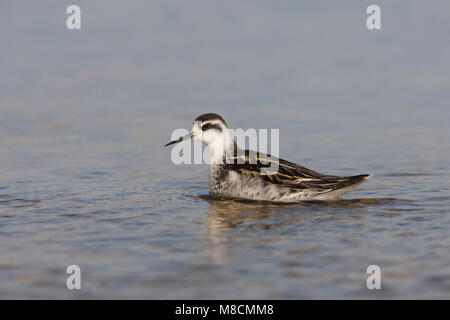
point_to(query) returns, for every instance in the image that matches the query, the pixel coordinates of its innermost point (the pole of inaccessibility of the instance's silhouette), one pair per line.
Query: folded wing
(290, 174)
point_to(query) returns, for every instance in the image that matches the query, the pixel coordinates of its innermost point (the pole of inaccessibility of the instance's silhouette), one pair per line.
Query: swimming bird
(247, 174)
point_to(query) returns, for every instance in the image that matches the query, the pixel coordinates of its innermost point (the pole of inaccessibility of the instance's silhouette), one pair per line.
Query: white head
(212, 130)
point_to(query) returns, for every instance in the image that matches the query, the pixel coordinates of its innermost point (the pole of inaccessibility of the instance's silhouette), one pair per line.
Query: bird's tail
(343, 185)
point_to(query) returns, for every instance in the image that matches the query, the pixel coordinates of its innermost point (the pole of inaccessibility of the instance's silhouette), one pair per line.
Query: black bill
(186, 137)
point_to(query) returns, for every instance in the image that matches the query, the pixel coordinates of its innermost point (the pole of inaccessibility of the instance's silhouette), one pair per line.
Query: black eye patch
(208, 126)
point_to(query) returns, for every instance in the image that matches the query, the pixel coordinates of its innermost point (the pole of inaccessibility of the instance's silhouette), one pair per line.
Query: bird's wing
(278, 171)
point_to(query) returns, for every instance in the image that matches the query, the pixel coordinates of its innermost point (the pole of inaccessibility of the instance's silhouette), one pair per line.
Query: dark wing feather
(289, 174)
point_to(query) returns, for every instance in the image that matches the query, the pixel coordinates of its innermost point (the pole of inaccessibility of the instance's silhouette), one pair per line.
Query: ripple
(17, 202)
(340, 203)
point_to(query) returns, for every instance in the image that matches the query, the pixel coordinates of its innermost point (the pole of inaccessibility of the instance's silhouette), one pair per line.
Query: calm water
(85, 179)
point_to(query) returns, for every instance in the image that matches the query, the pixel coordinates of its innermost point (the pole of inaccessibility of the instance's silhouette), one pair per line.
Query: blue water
(85, 179)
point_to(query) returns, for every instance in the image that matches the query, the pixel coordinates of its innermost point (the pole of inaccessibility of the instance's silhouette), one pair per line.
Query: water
(85, 179)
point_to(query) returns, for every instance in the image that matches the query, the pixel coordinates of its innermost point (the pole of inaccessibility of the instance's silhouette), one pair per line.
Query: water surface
(85, 179)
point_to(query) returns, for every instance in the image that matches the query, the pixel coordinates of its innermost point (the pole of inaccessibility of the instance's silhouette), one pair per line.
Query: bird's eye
(206, 126)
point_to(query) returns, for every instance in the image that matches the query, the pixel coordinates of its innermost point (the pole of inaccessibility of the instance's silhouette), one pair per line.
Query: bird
(247, 174)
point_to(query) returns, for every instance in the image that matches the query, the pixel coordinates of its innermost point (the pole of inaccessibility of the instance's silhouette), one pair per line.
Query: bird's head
(209, 128)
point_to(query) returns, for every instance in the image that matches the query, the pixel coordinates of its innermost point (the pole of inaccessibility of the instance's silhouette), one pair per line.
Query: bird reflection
(229, 220)
(228, 214)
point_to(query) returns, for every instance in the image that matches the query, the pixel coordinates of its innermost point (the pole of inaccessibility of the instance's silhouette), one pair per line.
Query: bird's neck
(220, 148)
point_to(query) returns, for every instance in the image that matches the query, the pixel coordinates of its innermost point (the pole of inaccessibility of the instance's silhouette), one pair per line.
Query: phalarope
(244, 179)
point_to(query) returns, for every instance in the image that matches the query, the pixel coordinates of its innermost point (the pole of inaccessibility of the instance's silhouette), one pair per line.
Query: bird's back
(257, 176)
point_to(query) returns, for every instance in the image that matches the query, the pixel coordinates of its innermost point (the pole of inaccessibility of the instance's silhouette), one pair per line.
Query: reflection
(226, 214)
(14, 202)
(228, 218)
